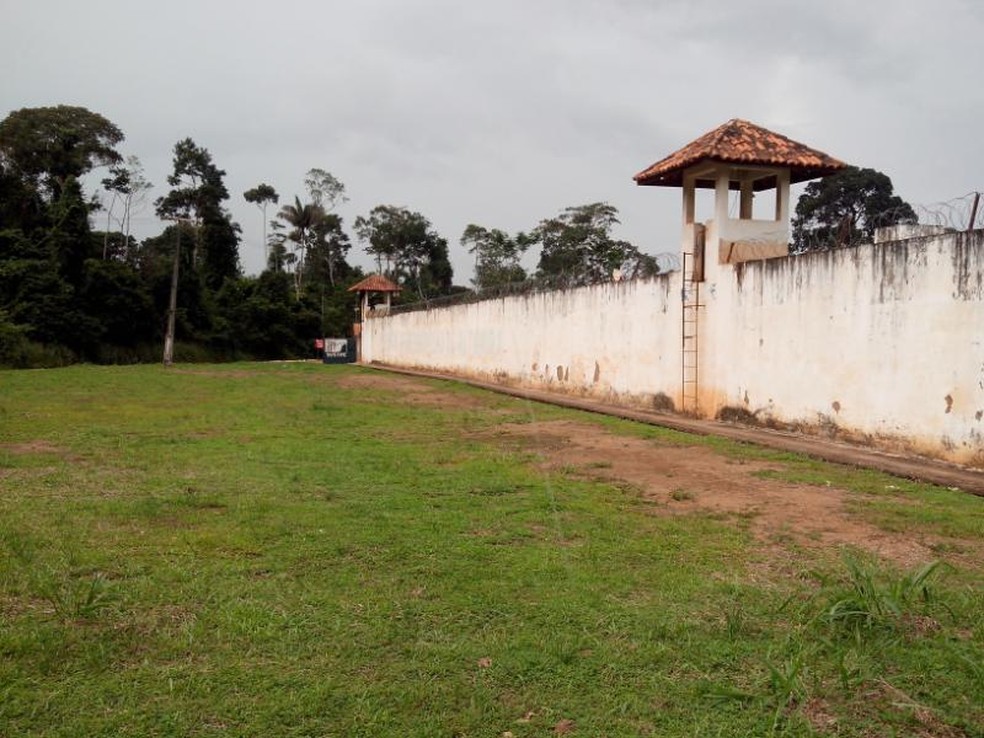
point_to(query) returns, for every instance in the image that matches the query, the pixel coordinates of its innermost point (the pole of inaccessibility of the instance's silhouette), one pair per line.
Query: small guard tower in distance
(743, 157)
(373, 284)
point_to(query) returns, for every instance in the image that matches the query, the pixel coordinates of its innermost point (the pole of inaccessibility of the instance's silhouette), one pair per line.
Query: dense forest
(76, 285)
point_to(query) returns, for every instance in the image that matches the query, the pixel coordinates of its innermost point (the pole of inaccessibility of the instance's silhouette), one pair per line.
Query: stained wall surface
(883, 342)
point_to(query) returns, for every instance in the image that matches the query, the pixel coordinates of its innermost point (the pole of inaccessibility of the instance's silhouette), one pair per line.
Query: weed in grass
(880, 612)
(75, 598)
(851, 671)
(22, 547)
(786, 686)
(71, 592)
(868, 603)
(681, 495)
(734, 621)
(974, 667)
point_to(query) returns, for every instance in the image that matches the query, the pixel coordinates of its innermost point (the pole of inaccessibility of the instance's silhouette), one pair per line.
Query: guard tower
(746, 158)
(371, 285)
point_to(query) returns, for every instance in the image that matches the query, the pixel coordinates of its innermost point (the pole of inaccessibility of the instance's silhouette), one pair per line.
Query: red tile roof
(740, 142)
(374, 283)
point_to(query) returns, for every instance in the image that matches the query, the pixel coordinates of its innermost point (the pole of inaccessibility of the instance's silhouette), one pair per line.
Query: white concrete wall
(613, 340)
(885, 341)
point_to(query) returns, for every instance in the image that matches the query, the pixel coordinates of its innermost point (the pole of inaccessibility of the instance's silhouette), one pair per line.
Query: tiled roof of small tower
(374, 283)
(740, 142)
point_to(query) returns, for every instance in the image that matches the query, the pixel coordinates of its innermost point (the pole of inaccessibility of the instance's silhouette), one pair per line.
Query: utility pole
(172, 306)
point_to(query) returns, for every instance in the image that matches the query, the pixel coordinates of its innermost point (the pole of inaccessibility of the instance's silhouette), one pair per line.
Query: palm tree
(303, 218)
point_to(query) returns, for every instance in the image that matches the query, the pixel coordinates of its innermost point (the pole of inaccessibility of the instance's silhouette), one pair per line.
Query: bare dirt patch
(412, 391)
(33, 447)
(682, 480)
(223, 373)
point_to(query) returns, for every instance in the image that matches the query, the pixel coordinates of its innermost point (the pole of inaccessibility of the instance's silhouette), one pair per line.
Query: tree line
(76, 285)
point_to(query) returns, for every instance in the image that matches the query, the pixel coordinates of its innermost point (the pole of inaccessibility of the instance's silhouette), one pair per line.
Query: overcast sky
(503, 113)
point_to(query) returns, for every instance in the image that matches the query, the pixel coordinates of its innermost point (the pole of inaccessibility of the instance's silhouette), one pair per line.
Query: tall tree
(415, 255)
(325, 189)
(845, 208)
(45, 237)
(44, 152)
(329, 248)
(196, 195)
(127, 187)
(497, 256)
(45, 147)
(577, 248)
(261, 196)
(312, 225)
(278, 259)
(303, 219)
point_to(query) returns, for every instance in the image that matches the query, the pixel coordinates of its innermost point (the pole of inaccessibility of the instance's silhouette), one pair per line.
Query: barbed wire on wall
(962, 213)
(666, 261)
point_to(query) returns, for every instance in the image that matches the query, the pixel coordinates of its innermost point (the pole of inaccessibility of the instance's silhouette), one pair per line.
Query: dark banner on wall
(336, 350)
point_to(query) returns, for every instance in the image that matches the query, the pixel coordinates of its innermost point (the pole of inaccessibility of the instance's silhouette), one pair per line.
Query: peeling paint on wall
(968, 266)
(866, 335)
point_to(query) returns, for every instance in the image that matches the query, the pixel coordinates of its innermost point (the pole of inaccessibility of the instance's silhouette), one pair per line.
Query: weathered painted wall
(883, 341)
(615, 340)
(886, 341)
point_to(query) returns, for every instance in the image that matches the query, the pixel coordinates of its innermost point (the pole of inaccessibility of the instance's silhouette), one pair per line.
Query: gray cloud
(503, 113)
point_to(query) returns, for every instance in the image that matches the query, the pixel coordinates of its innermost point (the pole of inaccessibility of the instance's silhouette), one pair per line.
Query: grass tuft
(869, 602)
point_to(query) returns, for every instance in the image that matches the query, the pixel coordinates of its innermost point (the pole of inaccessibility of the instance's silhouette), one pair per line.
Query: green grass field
(273, 550)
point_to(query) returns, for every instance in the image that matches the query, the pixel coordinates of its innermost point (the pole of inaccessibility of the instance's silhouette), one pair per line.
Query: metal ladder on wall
(689, 349)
